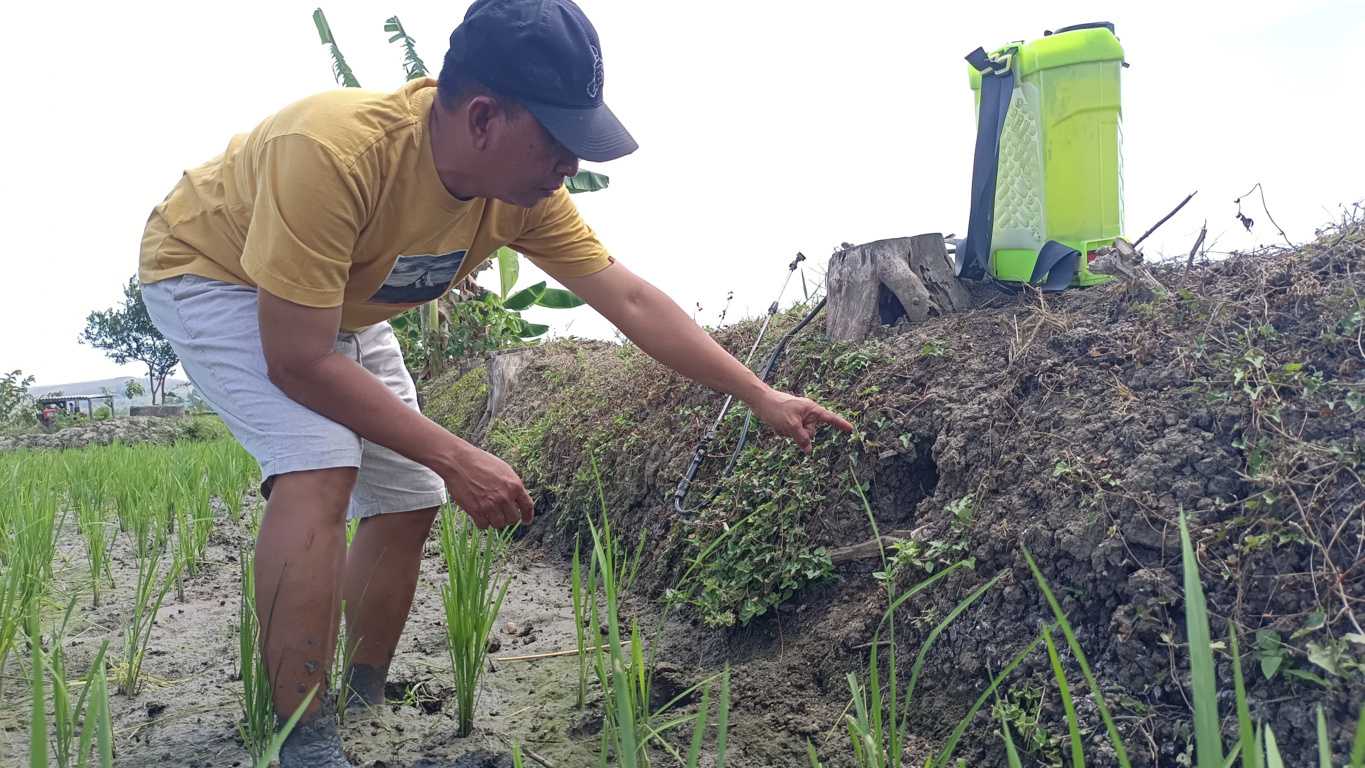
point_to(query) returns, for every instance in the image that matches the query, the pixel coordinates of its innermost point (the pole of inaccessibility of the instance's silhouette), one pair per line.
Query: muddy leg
(381, 575)
(300, 556)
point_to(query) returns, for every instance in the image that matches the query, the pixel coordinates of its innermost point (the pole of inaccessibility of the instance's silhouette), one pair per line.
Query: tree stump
(877, 283)
(504, 368)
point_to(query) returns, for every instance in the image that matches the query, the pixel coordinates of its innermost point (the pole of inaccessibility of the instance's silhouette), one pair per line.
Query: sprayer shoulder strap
(1057, 264)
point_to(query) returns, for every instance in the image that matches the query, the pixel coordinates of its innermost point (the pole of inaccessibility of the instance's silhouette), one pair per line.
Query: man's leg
(381, 576)
(385, 557)
(299, 559)
(300, 556)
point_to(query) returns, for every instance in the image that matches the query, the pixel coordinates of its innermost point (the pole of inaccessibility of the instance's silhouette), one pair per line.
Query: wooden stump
(504, 368)
(877, 283)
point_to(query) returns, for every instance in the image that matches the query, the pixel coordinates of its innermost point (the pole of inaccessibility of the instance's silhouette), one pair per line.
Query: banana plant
(340, 69)
(413, 65)
(538, 295)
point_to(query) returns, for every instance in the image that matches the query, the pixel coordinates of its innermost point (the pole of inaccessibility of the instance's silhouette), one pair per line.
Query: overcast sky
(765, 128)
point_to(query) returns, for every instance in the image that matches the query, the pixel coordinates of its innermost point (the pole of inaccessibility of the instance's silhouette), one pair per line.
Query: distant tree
(126, 333)
(133, 388)
(15, 401)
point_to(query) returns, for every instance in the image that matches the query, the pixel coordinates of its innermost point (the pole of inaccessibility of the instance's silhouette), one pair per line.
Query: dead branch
(873, 547)
(1165, 218)
(1203, 232)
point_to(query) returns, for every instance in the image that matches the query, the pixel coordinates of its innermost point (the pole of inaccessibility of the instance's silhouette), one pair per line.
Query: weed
(934, 348)
(879, 722)
(1256, 744)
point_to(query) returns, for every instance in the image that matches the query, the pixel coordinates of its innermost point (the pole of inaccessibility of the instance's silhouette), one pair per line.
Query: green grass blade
(91, 698)
(1011, 754)
(699, 730)
(1207, 735)
(874, 691)
(1324, 746)
(1358, 747)
(723, 719)
(37, 739)
(104, 724)
(1120, 753)
(1073, 726)
(1272, 750)
(920, 587)
(812, 756)
(1247, 741)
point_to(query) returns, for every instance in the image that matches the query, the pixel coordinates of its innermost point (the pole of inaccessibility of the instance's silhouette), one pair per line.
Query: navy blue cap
(546, 55)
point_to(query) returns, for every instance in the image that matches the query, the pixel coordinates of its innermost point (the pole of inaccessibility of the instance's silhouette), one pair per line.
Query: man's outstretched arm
(659, 326)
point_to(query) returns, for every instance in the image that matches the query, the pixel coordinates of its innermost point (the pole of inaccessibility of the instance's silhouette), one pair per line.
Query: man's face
(527, 164)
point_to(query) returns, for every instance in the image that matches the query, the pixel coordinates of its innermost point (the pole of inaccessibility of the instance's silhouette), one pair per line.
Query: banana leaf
(586, 181)
(524, 298)
(558, 298)
(532, 330)
(508, 268)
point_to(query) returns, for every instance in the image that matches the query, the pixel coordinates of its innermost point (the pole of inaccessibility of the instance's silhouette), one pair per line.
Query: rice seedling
(88, 714)
(29, 514)
(258, 709)
(272, 750)
(147, 598)
(584, 592)
(629, 726)
(97, 720)
(87, 481)
(472, 596)
(344, 650)
(194, 523)
(37, 724)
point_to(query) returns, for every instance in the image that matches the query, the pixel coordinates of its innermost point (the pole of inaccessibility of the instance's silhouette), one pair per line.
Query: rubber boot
(315, 743)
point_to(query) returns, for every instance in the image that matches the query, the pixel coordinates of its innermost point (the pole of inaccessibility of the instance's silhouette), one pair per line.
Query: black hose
(699, 454)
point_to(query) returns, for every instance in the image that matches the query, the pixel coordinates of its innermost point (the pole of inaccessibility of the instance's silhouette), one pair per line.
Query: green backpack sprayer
(1047, 180)
(1047, 176)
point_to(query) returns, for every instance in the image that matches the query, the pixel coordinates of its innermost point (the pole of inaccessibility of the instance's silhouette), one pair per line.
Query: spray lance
(699, 454)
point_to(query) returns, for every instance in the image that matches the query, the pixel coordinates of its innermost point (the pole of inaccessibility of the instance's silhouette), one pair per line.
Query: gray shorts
(214, 329)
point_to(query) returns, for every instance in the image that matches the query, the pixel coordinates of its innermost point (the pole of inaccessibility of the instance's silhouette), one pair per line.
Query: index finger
(526, 506)
(834, 420)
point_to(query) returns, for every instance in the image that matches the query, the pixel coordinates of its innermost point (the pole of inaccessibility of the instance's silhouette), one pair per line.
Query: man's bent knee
(326, 490)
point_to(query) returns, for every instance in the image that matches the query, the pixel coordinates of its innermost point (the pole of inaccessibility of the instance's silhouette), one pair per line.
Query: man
(273, 269)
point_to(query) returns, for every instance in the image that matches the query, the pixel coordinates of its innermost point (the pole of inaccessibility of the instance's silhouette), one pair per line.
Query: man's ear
(480, 114)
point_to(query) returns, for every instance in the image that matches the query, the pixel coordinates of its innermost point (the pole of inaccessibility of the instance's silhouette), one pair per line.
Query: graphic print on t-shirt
(418, 279)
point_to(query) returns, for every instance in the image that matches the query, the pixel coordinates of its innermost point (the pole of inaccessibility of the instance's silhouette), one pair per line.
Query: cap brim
(592, 134)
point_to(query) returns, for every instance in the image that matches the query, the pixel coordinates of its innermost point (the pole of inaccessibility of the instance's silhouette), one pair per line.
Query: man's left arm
(660, 327)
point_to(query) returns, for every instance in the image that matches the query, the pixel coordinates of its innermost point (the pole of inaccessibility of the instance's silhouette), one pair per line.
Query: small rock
(514, 629)
(494, 644)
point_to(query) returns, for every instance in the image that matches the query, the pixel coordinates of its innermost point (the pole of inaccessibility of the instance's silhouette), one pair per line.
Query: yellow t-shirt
(335, 201)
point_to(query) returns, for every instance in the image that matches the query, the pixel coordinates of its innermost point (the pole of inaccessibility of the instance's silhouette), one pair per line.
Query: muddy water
(187, 712)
